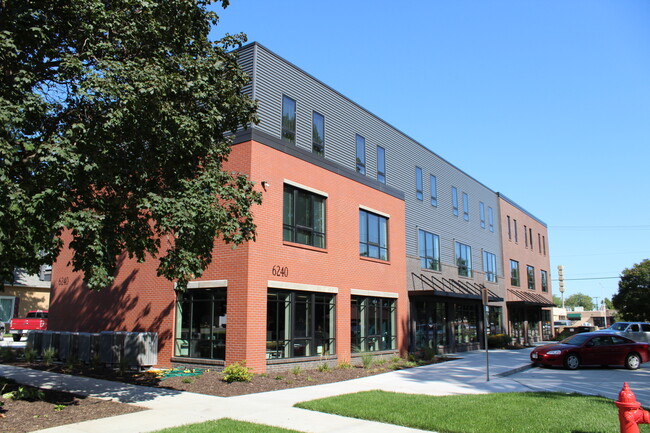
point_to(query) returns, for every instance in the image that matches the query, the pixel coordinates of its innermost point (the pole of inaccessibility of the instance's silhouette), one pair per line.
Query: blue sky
(547, 102)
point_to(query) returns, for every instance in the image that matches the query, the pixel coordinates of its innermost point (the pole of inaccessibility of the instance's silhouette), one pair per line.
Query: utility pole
(560, 276)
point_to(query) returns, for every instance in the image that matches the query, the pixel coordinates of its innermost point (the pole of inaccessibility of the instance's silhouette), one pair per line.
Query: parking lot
(605, 381)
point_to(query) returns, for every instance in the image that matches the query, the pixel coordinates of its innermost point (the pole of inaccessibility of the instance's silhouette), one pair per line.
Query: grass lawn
(226, 425)
(533, 412)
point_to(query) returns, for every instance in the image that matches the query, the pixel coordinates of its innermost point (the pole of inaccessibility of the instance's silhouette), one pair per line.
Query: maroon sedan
(592, 348)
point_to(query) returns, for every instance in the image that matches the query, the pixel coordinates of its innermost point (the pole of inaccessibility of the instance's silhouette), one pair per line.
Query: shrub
(30, 355)
(367, 360)
(7, 354)
(345, 365)
(324, 367)
(48, 355)
(498, 341)
(296, 370)
(237, 372)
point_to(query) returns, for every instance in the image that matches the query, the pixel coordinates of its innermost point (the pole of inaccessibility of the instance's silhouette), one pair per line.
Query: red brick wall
(141, 301)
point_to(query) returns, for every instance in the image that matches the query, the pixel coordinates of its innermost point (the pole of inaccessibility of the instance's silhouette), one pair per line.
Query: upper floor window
(381, 164)
(544, 280)
(526, 236)
(509, 228)
(544, 244)
(481, 209)
(418, 183)
(514, 223)
(539, 242)
(531, 277)
(514, 273)
(491, 218)
(288, 120)
(373, 235)
(429, 250)
(530, 236)
(361, 154)
(464, 259)
(434, 190)
(454, 200)
(318, 134)
(465, 207)
(304, 217)
(490, 266)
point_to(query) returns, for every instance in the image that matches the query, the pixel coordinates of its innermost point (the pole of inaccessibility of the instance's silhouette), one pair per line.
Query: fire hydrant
(630, 413)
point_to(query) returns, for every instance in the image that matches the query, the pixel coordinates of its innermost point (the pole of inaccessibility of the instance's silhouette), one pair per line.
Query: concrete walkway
(168, 408)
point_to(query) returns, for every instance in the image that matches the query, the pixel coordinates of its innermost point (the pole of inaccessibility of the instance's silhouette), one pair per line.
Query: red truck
(34, 321)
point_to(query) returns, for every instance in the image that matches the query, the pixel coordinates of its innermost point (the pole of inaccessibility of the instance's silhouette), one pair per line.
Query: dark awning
(438, 286)
(526, 298)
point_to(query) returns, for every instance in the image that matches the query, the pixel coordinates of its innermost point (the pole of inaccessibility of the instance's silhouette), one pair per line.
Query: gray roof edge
(500, 195)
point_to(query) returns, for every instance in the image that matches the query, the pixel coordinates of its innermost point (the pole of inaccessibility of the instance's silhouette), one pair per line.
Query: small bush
(187, 380)
(367, 360)
(237, 372)
(498, 341)
(48, 355)
(7, 354)
(296, 370)
(345, 365)
(25, 393)
(279, 377)
(30, 355)
(324, 367)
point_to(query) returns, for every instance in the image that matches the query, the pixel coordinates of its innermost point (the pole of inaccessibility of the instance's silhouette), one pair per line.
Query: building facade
(367, 241)
(527, 266)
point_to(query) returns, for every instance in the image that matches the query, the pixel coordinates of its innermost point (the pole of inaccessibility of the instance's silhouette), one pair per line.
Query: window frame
(188, 343)
(515, 277)
(360, 143)
(481, 209)
(544, 280)
(367, 340)
(490, 266)
(464, 252)
(381, 164)
(424, 239)
(316, 147)
(465, 206)
(433, 185)
(530, 276)
(287, 134)
(365, 243)
(313, 231)
(454, 200)
(491, 219)
(419, 184)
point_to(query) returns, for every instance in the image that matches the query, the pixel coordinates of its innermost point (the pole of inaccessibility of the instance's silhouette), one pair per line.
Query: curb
(516, 370)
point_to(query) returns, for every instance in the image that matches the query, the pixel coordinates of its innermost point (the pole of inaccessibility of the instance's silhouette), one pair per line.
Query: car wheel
(572, 361)
(17, 337)
(632, 361)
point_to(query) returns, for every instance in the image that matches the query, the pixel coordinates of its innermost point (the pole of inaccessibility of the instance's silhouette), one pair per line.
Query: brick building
(367, 242)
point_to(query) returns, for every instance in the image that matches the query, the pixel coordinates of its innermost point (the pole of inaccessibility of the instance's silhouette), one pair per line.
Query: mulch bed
(60, 408)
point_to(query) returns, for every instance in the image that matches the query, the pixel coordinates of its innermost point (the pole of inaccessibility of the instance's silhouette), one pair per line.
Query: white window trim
(206, 284)
(306, 188)
(301, 287)
(371, 210)
(373, 293)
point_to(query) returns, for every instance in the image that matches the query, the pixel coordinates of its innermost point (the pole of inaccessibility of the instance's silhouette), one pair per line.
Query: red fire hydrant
(630, 413)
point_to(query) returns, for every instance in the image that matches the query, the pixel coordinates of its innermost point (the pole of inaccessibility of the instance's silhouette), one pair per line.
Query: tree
(633, 296)
(557, 301)
(115, 117)
(579, 300)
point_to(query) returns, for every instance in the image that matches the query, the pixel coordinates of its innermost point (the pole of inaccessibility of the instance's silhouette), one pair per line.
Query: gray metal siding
(274, 76)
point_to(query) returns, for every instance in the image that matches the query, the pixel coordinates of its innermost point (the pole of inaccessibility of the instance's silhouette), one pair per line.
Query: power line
(641, 227)
(591, 278)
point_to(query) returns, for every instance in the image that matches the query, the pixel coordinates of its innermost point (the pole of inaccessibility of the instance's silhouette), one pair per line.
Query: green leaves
(633, 295)
(113, 123)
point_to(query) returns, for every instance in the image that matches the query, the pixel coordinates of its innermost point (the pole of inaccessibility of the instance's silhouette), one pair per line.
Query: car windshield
(576, 340)
(618, 326)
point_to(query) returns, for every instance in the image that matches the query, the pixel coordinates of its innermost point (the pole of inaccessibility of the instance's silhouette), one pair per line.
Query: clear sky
(546, 101)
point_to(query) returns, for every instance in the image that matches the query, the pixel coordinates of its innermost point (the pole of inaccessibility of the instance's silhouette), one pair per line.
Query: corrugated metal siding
(274, 76)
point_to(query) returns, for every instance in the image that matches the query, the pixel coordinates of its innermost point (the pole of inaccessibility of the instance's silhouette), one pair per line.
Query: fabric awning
(439, 286)
(574, 316)
(527, 298)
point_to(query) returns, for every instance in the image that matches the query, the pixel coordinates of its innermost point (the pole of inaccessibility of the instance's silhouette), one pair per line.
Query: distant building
(27, 292)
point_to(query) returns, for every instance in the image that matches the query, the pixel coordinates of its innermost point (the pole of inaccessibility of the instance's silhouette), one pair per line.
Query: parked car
(637, 331)
(34, 321)
(592, 348)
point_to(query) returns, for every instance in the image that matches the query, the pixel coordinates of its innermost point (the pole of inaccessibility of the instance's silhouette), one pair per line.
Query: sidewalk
(169, 408)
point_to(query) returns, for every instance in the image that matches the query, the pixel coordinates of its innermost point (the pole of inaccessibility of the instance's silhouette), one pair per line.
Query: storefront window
(299, 324)
(466, 324)
(430, 324)
(373, 324)
(201, 324)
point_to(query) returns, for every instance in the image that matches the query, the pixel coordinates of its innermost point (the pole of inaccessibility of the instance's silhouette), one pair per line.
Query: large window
(373, 324)
(430, 323)
(288, 120)
(530, 271)
(381, 164)
(454, 200)
(464, 259)
(429, 250)
(465, 323)
(514, 273)
(201, 324)
(373, 235)
(361, 154)
(304, 217)
(299, 324)
(490, 266)
(318, 134)
(544, 281)
(418, 183)
(434, 190)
